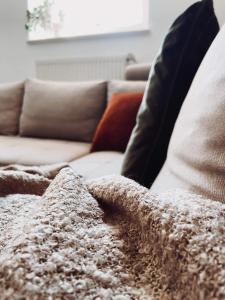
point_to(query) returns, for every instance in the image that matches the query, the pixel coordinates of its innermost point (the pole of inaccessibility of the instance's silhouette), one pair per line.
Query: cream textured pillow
(11, 98)
(62, 110)
(125, 86)
(196, 155)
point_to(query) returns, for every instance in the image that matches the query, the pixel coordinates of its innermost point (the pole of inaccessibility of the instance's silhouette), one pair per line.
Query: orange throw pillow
(114, 129)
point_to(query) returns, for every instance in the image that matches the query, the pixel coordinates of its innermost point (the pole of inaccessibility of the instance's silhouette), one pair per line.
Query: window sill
(92, 36)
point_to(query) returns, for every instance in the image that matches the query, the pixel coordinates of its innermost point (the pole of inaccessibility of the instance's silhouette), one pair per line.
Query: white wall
(17, 57)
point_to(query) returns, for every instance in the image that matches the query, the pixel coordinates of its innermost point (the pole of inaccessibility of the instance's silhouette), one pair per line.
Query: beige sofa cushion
(98, 164)
(125, 86)
(62, 110)
(11, 98)
(34, 151)
(196, 155)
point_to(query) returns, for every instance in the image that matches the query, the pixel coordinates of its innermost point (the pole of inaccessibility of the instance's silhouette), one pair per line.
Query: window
(47, 19)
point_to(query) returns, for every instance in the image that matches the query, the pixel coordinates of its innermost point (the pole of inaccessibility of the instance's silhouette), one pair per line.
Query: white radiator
(80, 69)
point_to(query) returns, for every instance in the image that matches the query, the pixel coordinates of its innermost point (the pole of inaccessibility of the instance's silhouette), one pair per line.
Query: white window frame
(144, 27)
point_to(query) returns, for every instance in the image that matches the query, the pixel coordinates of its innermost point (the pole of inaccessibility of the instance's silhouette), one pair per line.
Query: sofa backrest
(62, 110)
(69, 110)
(11, 99)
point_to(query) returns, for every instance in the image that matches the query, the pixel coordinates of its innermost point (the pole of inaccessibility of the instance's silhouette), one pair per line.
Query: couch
(31, 135)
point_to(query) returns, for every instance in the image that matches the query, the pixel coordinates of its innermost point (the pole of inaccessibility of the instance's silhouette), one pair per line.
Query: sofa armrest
(137, 71)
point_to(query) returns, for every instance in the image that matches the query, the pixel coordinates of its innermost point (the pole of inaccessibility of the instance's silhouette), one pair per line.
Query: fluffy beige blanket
(108, 238)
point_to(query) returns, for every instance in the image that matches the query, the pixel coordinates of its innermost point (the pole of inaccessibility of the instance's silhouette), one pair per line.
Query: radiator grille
(80, 69)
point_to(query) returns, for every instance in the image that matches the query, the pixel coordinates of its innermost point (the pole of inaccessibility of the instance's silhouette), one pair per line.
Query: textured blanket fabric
(129, 244)
(185, 234)
(26, 179)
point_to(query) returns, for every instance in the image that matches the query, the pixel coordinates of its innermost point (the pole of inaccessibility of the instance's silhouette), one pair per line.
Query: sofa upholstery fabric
(34, 151)
(62, 110)
(137, 71)
(125, 86)
(196, 156)
(11, 98)
(98, 164)
(170, 78)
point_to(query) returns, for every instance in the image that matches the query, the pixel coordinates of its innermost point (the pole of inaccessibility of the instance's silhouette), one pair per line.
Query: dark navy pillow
(170, 78)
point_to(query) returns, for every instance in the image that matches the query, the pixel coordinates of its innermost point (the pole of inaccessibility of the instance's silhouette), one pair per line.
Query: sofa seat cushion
(98, 164)
(33, 151)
